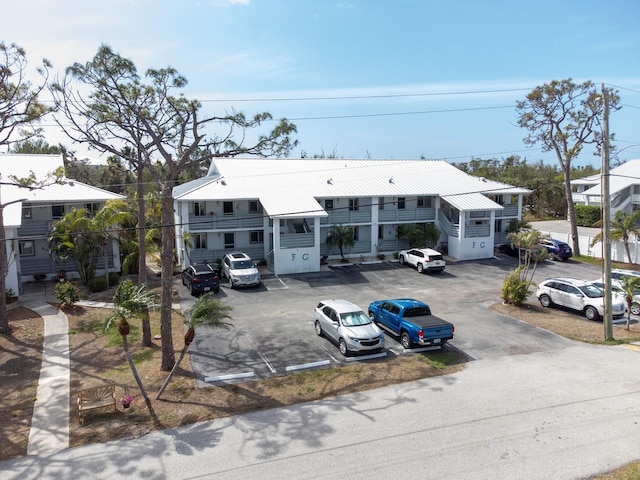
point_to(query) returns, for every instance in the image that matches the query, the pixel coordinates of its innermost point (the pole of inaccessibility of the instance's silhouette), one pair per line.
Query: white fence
(618, 253)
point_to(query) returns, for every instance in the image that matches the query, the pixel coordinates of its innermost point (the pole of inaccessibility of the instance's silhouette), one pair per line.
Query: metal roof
(620, 178)
(303, 180)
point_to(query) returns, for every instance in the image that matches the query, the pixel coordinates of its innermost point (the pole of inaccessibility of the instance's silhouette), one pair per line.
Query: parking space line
(304, 366)
(263, 356)
(231, 376)
(322, 347)
(366, 357)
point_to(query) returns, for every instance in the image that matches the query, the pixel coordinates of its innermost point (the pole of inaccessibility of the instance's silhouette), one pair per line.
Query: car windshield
(241, 264)
(354, 319)
(591, 291)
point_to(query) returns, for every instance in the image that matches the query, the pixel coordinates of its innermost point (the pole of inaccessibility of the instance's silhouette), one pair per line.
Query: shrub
(8, 294)
(514, 289)
(67, 293)
(97, 284)
(114, 278)
(587, 215)
(381, 256)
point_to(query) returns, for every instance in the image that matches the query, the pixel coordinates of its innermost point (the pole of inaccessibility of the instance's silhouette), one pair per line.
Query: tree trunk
(175, 367)
(571, 210)
(132, 366)
(142, 254)
(168, 354)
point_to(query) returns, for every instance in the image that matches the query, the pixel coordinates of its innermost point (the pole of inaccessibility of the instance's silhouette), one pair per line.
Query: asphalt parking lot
(273, 330)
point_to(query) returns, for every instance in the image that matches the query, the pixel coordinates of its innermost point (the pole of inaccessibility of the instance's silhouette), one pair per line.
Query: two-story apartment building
(282, 210)
(28, 221)
(624, 188)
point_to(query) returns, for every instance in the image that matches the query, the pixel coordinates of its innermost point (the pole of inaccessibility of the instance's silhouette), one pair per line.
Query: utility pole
(606, 219)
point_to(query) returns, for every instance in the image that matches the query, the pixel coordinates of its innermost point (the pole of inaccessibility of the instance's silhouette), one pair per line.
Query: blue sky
(361, 78)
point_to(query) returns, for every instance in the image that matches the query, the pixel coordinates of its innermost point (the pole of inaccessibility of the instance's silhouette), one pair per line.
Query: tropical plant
(208, 312)
(67, 293)
(624, 226)
(341, 237)
(630, 285)
(130, 301)
(515, 287)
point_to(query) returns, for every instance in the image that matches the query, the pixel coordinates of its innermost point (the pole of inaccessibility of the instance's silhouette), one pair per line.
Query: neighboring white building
(624, 188)
(28, 222)
(281, 210)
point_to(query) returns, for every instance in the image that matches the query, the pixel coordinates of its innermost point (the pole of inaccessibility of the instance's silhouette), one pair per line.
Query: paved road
(562, 414)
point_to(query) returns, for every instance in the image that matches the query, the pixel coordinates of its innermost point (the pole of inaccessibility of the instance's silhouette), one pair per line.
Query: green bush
(67, 293)
(514, 289)
(114, 278)
(8, 294)
(97, 284)
(587, 215)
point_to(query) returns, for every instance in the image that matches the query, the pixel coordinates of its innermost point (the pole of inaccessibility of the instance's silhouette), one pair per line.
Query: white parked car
(616, 288)
(240, 270)
(423, 259)
(578, 295)
(348, 326)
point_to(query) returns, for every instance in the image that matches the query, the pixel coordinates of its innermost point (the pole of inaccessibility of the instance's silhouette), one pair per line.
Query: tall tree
(166, 135)
(20, 112)
(563, 117)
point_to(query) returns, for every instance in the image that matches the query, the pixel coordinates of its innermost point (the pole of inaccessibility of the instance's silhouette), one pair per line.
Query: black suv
(200, 278)
(557, 250)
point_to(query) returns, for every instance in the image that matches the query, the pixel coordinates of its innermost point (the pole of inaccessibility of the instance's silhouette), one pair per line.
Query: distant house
(28, 222)
(624, 188)
(282, 210)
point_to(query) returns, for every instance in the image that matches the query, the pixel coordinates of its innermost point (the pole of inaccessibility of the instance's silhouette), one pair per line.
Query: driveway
(273, 324)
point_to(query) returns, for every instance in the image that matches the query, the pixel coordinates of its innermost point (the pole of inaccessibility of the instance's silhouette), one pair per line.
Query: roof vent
(391, 180)
(330, 181)
(222, 182)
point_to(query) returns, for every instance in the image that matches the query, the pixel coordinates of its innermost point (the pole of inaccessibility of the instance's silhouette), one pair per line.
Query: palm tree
(112, 213)
(630, 285)
(207, 312)
(130, 301)
(515, 287)
(341, 237)
(623, 227)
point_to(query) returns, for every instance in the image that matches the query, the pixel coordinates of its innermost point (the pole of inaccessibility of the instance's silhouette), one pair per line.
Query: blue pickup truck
(412, 321)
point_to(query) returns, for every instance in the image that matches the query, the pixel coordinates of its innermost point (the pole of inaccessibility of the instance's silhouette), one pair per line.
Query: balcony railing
(203, 222)
(508, 211)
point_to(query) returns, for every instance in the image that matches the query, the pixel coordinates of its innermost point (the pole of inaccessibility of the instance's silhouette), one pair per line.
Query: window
(380, 203)
(355, 233)
(256, 236)
(26, 212)
(92, 208)
(254, 206)
(328, 204)
(381, 232)
(353, 204)
(199, 209)
(26, 248)
(227, 208)
(200, 240)
(402, 203)
(57, 211)
(229, 240)
(424, 202)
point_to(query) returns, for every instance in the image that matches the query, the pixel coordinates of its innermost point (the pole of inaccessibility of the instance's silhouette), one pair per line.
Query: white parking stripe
(231, 376)
(264, 358)
(366, 357)
(303, 366)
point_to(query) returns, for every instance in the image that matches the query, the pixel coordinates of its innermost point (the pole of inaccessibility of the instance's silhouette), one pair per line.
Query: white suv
(578, 295)
(240, 270)
(424, 259)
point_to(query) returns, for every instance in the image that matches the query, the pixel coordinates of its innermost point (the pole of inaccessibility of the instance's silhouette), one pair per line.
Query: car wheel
(216, 290)
(635, 308)
(342, 345)
(191, 290)
(231, 284)
(318, 328)
(420, 268)
(591, 313)
(401, 259)
(372, 317)
(183, 282)
(545, 301)
(405, 340)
